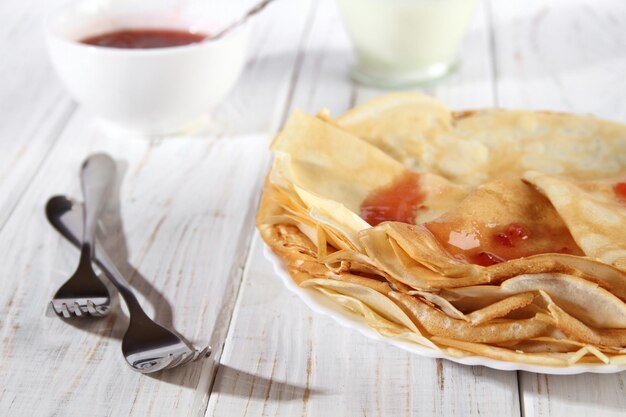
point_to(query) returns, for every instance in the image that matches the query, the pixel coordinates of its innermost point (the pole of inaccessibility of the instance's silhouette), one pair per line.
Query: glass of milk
(405, 42)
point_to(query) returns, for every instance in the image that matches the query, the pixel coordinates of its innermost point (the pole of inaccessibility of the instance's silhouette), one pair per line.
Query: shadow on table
(238, 383)
(114, 241)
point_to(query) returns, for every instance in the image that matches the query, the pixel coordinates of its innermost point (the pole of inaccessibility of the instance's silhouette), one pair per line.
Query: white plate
(320, 304)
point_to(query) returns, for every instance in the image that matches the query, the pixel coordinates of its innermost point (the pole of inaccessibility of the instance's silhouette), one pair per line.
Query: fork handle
(69, 225)
(97, 175)
(105, 263)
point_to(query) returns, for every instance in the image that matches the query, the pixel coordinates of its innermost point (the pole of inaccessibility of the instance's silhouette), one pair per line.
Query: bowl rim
(208, 43)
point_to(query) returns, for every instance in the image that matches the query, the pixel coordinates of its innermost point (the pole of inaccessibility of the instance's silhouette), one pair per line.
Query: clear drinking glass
(405, 42)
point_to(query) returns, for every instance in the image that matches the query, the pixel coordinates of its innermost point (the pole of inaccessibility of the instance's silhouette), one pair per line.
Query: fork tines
(191, 356)
(79, 307)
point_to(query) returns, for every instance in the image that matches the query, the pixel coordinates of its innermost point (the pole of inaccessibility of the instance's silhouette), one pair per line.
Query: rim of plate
(322, 305)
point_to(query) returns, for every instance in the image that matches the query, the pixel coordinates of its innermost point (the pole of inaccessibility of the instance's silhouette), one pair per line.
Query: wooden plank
(282, 359)
(33, 105)
(323, 80)
(186, 206)
(587, 395)
(568, 56)
(185, 237)
(561, 55)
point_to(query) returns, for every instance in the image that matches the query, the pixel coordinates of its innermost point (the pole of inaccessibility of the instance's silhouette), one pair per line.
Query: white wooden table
(186, 237)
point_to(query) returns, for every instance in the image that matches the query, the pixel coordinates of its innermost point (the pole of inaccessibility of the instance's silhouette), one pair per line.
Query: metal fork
(83, 293)
(147, 346)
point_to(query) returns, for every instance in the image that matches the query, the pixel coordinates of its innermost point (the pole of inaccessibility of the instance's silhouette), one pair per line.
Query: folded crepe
(494, 233)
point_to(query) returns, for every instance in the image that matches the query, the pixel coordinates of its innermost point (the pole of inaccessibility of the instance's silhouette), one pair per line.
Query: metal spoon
(256, 9)
(146, 346)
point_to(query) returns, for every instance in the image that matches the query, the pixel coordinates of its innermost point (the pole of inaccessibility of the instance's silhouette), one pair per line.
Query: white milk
(403, 42)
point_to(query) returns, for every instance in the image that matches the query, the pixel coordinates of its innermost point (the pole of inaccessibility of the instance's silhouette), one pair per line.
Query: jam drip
(490, 244)
(478, 242)
(399, 201)
(620, 191)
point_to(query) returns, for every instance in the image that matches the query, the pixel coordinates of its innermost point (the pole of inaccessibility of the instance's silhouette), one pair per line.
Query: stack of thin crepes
(494, 233)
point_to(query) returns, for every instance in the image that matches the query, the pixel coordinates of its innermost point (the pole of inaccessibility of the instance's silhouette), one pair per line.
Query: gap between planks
(249, 234)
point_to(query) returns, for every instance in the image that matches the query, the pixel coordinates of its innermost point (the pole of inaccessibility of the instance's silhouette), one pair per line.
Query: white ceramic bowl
(161, 90)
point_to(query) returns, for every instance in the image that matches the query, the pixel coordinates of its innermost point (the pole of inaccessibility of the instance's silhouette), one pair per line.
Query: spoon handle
(254, 10)
(97, 175)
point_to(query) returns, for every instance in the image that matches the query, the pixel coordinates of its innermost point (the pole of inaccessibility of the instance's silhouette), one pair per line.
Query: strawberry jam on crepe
(495, 233)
